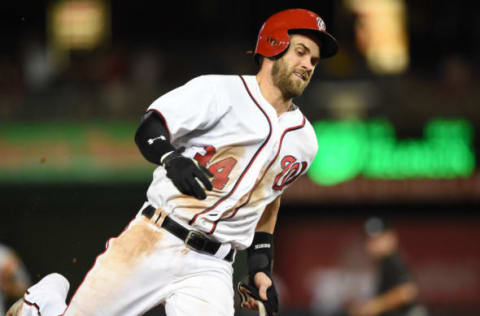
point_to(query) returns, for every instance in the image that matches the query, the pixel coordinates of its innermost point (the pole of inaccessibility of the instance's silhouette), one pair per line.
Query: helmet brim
(329, 45)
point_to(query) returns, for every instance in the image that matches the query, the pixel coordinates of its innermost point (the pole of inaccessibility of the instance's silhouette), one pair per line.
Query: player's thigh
(129, 276)
(210, 295)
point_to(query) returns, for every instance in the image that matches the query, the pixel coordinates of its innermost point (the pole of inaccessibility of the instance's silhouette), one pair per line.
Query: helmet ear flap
(259, 58)
(272, 42)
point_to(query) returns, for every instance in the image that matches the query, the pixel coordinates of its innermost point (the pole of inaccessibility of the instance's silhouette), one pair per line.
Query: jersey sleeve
(193, 106)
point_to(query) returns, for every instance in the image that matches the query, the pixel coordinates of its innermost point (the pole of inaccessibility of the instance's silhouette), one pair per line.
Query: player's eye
(300, 52)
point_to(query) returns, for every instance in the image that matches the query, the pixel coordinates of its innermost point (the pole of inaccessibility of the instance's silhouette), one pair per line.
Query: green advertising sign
(105, 152)
(348, 149)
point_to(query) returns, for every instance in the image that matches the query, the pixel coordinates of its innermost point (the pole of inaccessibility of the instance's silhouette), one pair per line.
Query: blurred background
(396, 114)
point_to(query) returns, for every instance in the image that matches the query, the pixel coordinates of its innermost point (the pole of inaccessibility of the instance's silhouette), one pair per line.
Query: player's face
(292, 72)
(381, 245)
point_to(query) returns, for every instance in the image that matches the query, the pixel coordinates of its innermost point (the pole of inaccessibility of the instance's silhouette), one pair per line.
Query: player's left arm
(267, 222)
(260, 256)
(153, 140)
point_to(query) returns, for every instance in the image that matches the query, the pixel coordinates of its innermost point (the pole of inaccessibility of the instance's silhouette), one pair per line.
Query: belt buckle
(195, 246)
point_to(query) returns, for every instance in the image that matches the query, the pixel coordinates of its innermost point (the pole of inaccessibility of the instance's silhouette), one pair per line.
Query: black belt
(191, 238)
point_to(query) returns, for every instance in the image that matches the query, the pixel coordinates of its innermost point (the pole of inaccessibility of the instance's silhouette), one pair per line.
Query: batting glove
(187, 174)
(247, 289)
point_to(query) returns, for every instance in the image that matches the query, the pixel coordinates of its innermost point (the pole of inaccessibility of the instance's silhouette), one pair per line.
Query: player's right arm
(175, 117)
(395, 298)
(153, 140)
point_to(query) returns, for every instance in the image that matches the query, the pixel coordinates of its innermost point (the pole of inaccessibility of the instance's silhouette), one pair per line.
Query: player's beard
(282, 78)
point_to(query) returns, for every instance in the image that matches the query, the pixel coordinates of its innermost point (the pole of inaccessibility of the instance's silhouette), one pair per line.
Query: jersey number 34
(220, 169)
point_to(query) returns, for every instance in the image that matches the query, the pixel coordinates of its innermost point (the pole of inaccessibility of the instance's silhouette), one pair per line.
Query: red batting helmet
(273, 38)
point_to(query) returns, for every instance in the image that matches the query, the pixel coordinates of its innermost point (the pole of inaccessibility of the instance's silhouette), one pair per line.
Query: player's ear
(263, 61)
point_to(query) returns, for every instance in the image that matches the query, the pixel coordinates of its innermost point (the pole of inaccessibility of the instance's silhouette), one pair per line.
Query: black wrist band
(260, 254)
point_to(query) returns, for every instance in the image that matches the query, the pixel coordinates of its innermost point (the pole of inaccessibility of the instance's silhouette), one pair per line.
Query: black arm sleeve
(152, 137)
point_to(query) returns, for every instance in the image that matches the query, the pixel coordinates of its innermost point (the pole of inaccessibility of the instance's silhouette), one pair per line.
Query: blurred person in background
(396, 290)
(350, 279)
(14, 279)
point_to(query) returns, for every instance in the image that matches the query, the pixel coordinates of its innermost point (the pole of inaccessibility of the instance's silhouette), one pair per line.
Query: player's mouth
(301, 75)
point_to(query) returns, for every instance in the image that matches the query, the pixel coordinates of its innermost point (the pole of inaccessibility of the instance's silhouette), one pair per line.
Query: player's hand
(262, 283)
(187, 174)
(261, 291)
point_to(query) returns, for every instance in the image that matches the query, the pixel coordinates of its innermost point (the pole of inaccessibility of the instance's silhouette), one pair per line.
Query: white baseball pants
(146, 266)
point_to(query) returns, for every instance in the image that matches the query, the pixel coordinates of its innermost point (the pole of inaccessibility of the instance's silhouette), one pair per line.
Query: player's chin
(298, 84)
(297, 89)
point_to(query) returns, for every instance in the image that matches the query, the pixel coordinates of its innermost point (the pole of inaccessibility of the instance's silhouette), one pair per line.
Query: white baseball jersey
(226, 124)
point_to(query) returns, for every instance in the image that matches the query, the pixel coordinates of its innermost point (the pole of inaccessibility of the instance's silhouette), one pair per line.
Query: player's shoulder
(309, 137)
(307, 127)
(214, 83)
(312, 135)
(221, 85)
(215, 79)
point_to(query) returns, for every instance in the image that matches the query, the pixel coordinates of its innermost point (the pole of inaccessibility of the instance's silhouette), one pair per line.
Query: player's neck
(272, 94)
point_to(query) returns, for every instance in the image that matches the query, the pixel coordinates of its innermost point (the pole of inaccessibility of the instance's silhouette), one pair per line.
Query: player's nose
(307, 66)
(307, 70)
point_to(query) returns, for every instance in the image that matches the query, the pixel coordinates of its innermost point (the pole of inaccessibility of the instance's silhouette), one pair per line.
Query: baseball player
(14, 278)
(227, 146)
(397, 292)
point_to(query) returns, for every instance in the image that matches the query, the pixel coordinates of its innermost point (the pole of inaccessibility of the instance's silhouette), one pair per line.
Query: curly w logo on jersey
(291, 169)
